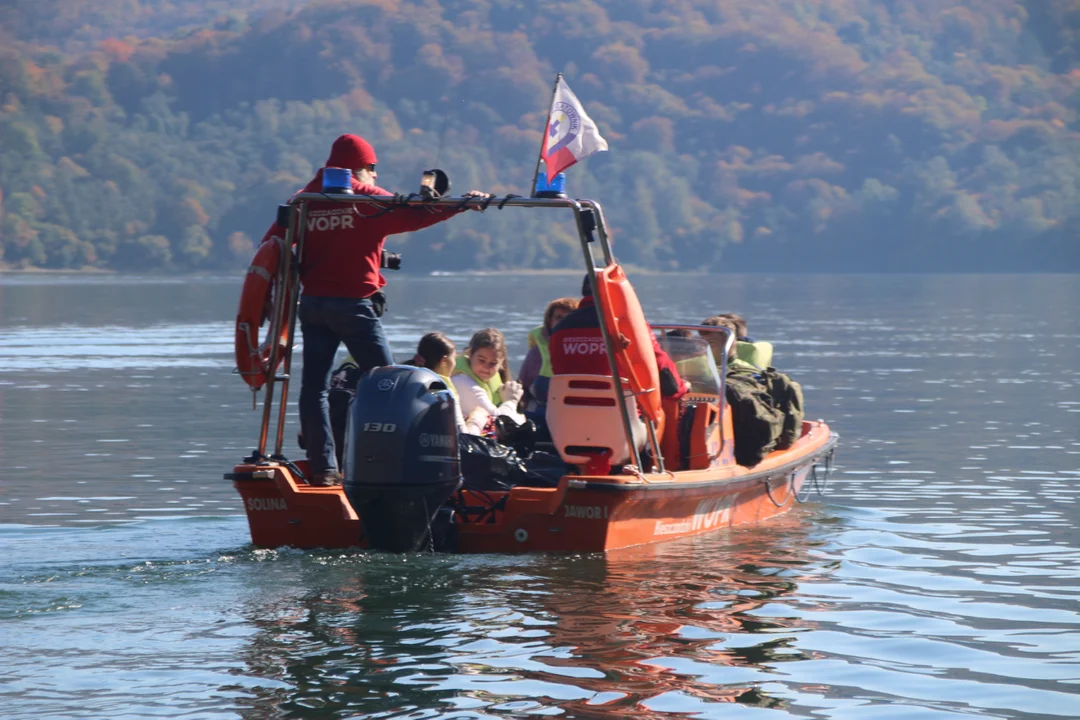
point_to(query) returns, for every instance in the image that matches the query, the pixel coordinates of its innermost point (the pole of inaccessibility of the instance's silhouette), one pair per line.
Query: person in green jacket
(536, 373)
(756, 420)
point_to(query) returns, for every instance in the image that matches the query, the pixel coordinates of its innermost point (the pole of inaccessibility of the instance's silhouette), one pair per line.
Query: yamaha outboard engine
(401, 455)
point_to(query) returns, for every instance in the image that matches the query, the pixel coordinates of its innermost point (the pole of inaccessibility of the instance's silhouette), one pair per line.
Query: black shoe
(330, 478)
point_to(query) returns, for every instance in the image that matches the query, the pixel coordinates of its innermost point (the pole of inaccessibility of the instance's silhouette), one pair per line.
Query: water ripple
(940, 578)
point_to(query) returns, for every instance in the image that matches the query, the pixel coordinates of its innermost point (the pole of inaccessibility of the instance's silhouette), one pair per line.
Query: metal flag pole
(543, 135)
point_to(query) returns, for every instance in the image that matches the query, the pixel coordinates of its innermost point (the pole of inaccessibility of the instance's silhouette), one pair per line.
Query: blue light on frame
(555, 188)
(336, 180)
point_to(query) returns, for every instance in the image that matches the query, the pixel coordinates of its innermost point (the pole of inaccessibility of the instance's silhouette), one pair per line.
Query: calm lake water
(939, 576)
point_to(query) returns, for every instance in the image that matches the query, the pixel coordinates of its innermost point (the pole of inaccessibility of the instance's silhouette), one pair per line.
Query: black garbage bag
(520, 436)
(490, 465)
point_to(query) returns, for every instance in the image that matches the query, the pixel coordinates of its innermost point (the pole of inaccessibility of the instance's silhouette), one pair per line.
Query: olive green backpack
(756, 420)
(787, 397)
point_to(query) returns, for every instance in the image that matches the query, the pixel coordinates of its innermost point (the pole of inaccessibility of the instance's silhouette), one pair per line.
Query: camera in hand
(390, 260)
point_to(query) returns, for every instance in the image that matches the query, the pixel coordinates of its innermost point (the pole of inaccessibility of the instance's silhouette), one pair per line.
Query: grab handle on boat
(790, 493)
(812, 485)
(815, 484)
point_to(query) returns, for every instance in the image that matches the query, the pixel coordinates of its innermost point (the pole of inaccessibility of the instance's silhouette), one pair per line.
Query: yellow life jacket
(491, 387)
(758, 354)
(538, 340)
(737, 364)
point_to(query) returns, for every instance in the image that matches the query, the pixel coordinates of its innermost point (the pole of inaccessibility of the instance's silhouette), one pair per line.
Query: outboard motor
(401, 455)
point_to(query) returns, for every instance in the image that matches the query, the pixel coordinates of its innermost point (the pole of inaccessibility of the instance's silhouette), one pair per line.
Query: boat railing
(592, 232)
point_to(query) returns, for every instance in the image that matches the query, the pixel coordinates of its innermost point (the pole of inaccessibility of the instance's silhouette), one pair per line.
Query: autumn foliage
(758, 134)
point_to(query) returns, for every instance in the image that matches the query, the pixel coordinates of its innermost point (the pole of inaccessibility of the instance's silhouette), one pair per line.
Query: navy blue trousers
(325, 323)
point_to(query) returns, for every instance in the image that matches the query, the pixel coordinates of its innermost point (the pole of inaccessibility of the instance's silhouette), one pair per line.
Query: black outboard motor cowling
(401, 455)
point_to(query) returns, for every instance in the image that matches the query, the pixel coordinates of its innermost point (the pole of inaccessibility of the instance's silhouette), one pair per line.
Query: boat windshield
(694, 359)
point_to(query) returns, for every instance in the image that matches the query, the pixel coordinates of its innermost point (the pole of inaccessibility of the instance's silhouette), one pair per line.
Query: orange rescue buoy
(632, 336)
(253, 357)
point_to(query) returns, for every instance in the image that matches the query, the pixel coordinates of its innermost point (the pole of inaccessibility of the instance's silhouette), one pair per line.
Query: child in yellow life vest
(535, 374)
(482, 379)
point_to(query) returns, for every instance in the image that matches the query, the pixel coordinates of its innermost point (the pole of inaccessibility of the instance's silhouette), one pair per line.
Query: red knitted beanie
(352, 152)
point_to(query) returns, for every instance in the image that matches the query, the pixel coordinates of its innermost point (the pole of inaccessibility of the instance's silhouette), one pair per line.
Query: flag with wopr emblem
(571, 134)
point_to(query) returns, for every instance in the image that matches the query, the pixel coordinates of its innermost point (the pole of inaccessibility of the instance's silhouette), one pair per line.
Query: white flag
(571, 134)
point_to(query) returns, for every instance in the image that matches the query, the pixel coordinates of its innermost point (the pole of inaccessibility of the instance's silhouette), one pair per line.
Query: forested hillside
(749, 134)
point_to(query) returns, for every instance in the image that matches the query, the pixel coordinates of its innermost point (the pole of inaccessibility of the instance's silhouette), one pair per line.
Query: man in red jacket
(339, 275)
(577, 347)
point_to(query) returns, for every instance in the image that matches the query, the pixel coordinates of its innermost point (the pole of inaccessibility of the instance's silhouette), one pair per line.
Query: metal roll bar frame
(722, 376)
(588, 217)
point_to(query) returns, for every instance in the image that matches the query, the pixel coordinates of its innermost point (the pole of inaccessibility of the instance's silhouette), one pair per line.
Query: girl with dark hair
(437, 353)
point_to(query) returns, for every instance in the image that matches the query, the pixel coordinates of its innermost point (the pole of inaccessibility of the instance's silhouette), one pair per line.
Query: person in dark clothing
(577, 347)
(340, 278)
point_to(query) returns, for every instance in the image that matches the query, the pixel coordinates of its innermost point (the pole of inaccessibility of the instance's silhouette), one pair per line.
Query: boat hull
(580, 514)
(282, 510)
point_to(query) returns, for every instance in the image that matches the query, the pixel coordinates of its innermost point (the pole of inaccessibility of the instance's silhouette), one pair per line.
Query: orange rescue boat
(404, 488)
